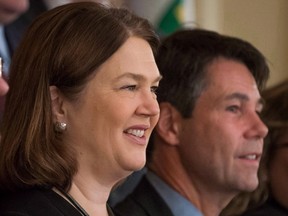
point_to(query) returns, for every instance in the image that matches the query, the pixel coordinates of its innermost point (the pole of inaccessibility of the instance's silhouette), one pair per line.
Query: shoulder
(33, 202)
(143, 201)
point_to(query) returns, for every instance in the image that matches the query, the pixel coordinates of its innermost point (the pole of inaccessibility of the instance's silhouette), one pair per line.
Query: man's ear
(57, 102)
(169, 124)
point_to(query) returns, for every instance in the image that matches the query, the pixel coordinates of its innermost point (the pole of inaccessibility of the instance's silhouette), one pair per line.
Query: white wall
(264, 23)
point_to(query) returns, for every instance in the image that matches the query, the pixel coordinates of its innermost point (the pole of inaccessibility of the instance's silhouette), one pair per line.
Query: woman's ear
(169, 124)
(57, 104)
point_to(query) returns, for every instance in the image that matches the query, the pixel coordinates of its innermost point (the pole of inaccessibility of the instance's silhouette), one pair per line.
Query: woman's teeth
(138, 133)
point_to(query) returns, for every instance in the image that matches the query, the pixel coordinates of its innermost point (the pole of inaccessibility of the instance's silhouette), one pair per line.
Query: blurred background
(261, 22)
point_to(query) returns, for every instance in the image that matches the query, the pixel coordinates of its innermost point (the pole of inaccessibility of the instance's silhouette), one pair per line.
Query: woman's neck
(86, 199)
(91, 196)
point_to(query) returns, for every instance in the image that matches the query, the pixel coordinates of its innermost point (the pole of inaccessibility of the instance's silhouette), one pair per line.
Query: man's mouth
(250, 156)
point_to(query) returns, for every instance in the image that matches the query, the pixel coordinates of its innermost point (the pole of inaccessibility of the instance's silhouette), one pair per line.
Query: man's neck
(173, 173)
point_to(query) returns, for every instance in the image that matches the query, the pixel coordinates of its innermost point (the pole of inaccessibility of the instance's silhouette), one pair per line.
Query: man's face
(3, 87)
(221, 144)
(11, 10)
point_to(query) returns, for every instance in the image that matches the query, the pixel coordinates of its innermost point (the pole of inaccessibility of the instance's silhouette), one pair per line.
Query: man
(10, 34)
(209, 138)
(15, 17)
(3, 84)
(3, 87)
(10, 10)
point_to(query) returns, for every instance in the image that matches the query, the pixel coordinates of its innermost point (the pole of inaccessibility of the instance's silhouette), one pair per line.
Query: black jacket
(143, 201)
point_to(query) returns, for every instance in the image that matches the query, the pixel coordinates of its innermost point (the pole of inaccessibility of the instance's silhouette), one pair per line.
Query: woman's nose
(149, 105)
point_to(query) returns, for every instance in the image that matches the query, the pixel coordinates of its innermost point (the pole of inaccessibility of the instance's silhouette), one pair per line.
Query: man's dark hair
(183, 59)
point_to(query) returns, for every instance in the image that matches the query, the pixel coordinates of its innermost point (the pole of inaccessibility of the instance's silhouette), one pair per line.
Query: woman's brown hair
(63, 47)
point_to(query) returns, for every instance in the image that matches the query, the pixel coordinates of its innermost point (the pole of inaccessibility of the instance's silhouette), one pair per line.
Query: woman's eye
(129, 87)
(233, 109)
(154, 89)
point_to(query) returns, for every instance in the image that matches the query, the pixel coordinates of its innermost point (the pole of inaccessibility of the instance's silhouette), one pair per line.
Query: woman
(79, 112)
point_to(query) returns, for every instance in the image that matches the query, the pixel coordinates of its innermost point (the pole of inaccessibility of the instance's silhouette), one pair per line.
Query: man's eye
(233, 109)
(259, 113)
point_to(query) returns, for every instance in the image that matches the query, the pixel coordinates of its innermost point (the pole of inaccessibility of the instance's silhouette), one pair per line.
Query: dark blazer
(15, 30)
(143, 201)
(35, 202)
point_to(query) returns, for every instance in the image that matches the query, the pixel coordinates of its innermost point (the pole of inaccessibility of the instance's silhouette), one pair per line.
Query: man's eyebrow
(237, 95)
(137, 77)
(243, 97)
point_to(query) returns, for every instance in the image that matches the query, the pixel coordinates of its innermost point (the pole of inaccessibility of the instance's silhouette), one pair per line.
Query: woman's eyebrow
(136, 77)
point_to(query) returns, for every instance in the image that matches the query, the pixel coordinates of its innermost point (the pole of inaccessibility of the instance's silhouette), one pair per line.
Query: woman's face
(113, 121)
(278, 168)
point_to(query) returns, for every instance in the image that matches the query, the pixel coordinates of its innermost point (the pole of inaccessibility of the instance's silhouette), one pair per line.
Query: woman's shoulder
(35, 202)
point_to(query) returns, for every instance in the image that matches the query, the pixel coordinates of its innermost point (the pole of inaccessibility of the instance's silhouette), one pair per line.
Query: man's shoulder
(143, 201)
